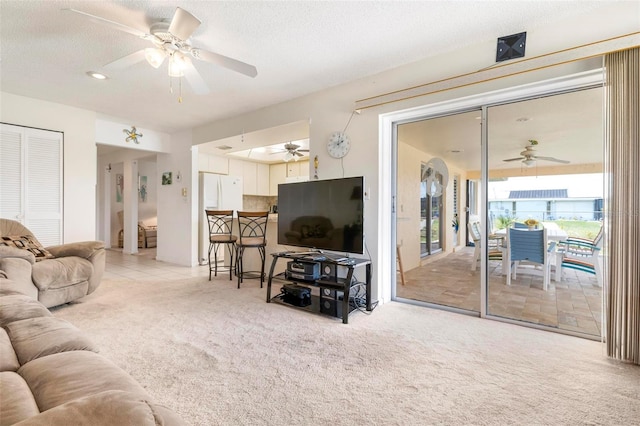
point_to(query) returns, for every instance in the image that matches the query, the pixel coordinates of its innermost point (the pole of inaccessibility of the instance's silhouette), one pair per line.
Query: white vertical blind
(11, 173)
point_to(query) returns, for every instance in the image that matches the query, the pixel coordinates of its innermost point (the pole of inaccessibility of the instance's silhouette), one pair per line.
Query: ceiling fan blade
(225, 61)
(298, 154)
(553, 159)
(303, 150)
(514, 159)
(183, 24)
(125, 61)
(195, 80)
(112, 24)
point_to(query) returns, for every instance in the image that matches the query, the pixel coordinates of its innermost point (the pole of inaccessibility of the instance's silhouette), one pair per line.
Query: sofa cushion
(26, 242)
(106, 409)
(8, 357)
(61, 272)
(61, 378)
(17, 401)
(37, 337)
(16, 307)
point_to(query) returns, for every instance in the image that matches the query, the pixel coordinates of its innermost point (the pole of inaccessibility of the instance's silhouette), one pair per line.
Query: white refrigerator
(216, 192)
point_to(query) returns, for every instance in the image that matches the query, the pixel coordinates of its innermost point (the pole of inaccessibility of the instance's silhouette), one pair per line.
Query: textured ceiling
(298, 47)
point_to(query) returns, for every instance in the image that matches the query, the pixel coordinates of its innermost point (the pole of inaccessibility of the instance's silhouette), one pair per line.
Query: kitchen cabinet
(249, 178)
(297, 168)
(262, 179)
(236, 167)
(277, 175)
(213, 164)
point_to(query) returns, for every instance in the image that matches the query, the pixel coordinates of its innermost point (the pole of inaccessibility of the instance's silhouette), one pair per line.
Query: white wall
(178, 214)
(78, 126)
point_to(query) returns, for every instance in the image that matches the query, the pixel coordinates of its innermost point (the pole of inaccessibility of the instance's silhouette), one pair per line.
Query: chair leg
(239, 254)
(215, 256)
(401, 269)
(262, 256)
(231, 250)
(209, 257)
(598, 271)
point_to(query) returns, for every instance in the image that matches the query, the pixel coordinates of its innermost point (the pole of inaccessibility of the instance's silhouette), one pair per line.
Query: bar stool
(252, 234)
(221, 232)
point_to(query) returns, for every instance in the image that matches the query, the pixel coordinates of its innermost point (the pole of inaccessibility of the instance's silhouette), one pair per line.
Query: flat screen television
(322, 214)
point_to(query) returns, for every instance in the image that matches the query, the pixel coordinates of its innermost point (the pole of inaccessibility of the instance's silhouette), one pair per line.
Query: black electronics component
(301, 270)
(297, 295)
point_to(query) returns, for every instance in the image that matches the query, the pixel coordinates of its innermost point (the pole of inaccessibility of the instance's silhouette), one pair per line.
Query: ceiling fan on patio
(528, 157)
(170, 39)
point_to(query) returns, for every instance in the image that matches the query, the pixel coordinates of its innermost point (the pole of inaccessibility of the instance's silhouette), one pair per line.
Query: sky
(577, 186)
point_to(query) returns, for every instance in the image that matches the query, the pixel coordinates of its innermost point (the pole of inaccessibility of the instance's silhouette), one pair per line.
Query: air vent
(224, 147)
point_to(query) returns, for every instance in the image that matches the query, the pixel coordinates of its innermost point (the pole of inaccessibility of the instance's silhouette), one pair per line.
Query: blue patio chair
(528, 247)
(580, 254)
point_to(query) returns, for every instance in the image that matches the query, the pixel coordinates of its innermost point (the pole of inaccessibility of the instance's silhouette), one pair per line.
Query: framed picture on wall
(119, 187)
(142, 190)
(166, 178)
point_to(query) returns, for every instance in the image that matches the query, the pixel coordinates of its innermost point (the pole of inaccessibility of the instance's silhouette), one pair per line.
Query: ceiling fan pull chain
(170, 85)
(180, 90)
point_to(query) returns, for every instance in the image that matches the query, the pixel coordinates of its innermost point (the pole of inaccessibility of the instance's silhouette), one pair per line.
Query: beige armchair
(53, 275)
(147, 235)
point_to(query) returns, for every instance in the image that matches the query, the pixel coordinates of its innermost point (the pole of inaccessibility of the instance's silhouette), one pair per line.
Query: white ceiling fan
(292, 150)
(171, 40)
(529, 156)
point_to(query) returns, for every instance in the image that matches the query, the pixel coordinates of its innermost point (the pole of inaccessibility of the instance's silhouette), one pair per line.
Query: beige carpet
(222, 356)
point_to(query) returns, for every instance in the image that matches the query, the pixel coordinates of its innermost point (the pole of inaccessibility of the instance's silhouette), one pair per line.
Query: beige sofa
(51, 373)
(52, 275)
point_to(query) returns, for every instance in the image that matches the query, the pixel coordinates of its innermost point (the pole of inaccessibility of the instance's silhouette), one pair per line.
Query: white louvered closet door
(31, 180)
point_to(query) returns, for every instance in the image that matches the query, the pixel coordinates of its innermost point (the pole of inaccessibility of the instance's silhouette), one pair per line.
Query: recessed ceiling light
(456, 151)
(96, 75)
(522, 119)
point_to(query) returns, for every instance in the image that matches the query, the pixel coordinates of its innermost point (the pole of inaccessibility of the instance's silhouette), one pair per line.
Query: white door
(31, 180)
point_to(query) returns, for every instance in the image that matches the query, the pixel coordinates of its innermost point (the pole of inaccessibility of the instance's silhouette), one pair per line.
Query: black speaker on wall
(511, 47)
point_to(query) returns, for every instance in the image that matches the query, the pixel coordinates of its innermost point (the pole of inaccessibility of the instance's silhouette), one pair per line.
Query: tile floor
(573, 304)
(143, 266)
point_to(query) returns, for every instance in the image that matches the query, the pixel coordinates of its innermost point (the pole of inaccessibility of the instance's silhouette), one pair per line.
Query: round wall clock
(338, 145)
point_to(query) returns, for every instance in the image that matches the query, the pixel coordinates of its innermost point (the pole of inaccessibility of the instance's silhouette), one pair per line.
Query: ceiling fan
(171, 40)
(292, 151)
(529, 157)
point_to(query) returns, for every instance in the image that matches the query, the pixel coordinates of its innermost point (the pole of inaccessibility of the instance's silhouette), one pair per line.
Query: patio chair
(528, 247)
(580, 254)
(496, 250)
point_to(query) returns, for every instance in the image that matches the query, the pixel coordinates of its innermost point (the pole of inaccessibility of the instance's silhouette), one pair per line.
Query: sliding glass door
(545, 188)
(541, 176)
(434, 156)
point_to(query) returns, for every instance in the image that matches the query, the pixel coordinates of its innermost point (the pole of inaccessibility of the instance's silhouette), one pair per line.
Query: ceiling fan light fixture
(177, 64)
(288, 156)
(529, 162)
(154, 56)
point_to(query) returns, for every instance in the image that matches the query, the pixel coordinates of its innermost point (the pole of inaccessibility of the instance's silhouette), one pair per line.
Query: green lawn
(580, 228)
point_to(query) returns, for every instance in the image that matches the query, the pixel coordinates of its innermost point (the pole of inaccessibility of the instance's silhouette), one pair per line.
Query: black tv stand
(328, 281)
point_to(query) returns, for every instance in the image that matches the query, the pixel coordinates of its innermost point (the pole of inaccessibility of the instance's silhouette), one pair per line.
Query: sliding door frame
(388, 134)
